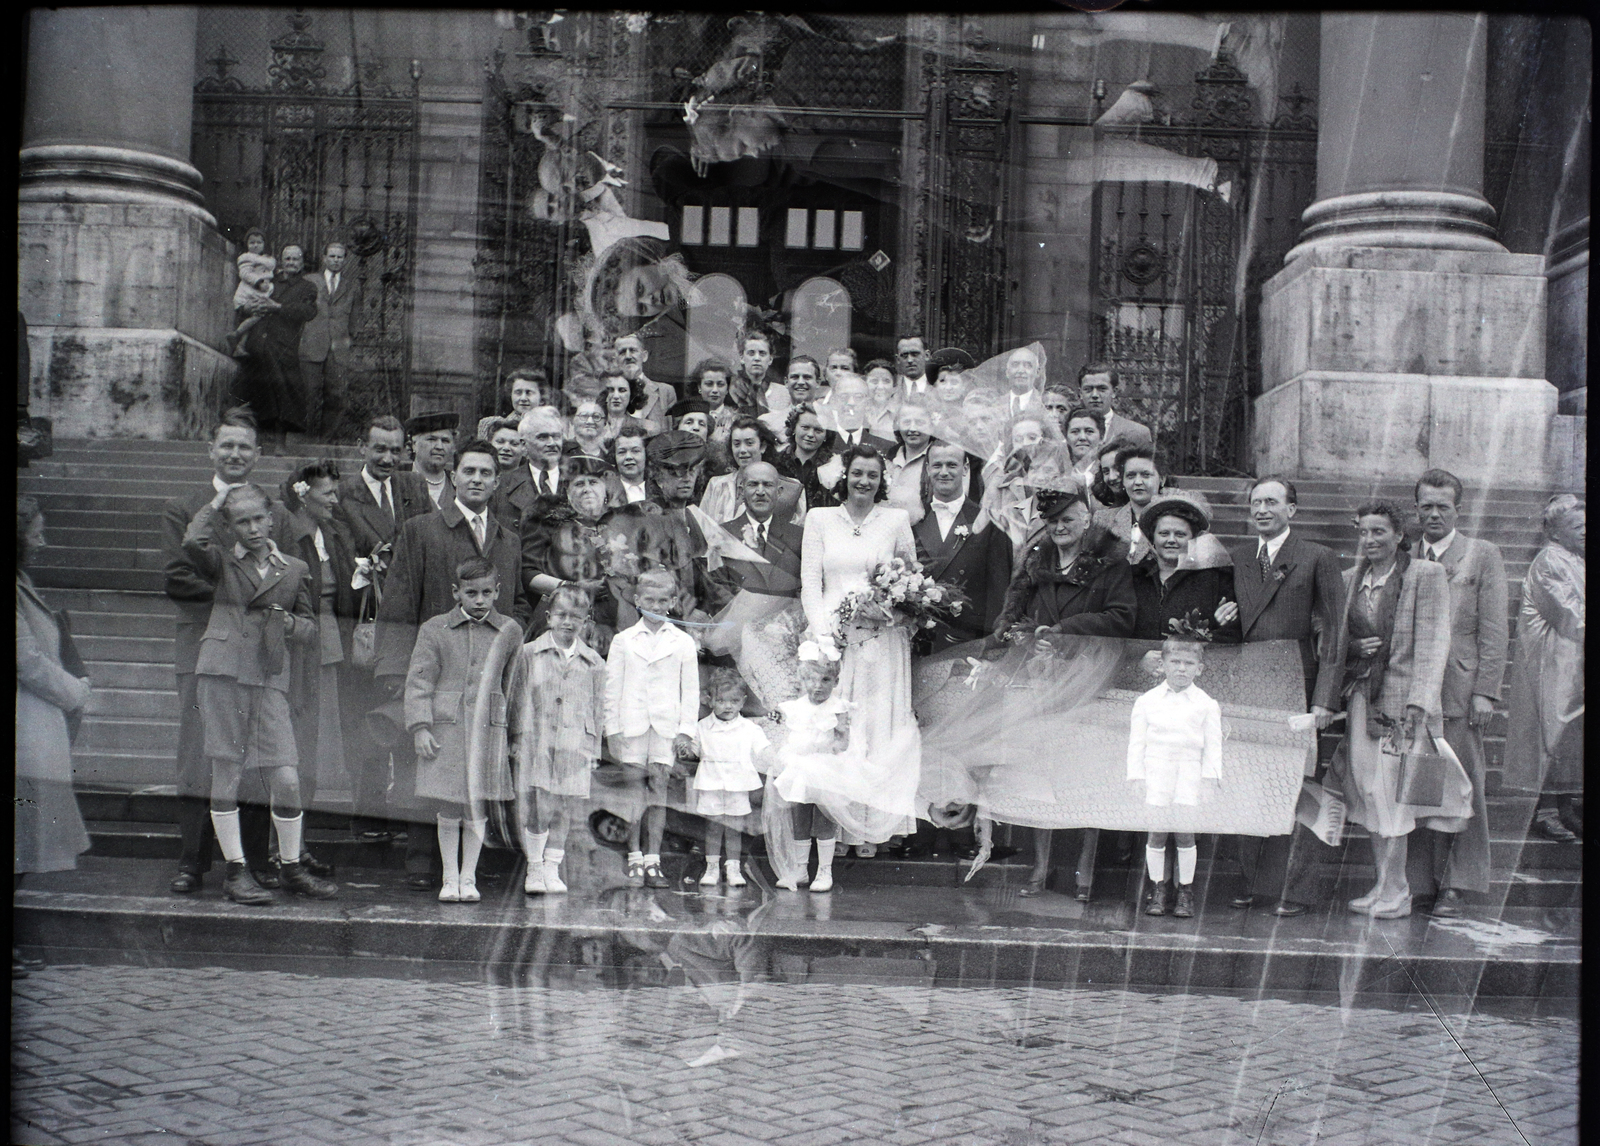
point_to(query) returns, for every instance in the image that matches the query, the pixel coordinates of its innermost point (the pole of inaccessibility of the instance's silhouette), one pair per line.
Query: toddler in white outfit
(1174, 743)
(733, 751)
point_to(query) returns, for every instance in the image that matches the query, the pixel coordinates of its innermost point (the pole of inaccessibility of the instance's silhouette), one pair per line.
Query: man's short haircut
(1105, 368)
(1183, 644)
(478, 446)
(576, 596)
(541, 415)
(241, 495)
(621, 338)
(240, 417)
(1288, 487)
(631, 428)
(388, 423)
(332, 243)
(658, 576)
(799, 358)
(848, 351)
(1128, 453)
(910, 338)
(475, 568)
(940, 443)
(1439, 479)
(755, 336)
(287, 247)
(914, 408)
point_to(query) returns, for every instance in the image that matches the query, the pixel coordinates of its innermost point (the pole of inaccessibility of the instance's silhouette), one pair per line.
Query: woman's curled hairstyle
(1396, 515)
(853, 453)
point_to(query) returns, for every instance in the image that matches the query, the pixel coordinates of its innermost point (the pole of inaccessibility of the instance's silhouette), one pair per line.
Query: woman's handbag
(364, 641)
(1422, 775)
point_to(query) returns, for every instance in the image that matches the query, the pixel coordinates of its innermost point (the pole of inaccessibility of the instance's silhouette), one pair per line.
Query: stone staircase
(102, 502)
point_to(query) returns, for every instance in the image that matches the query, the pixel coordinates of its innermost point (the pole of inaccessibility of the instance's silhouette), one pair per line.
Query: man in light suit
(234, 452)
(1098, 387)
(326, 340)
(1288, 589)
(632, 356)
(976, 561)
(427, 551)
(1457, 862)
(1025, 394)
(373, 504)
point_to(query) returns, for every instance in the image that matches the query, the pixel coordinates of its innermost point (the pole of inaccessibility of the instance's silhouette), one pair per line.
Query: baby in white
(733, 754)
(1174, 743)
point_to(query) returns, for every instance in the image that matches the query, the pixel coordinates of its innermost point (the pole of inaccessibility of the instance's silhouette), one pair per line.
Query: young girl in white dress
(733, 754)
(256, 269)
(1174, 743)
(815, 752)
(842, 548)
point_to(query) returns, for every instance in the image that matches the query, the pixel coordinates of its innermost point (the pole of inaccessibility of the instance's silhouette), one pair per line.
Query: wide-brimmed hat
(675, 447)
(583, 465)
(427, 423)
(1184, 504)
(1051, 502)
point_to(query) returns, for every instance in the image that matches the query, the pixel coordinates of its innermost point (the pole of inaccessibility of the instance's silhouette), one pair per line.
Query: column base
(1390, 427)
(1429, 220)
(88, 173)
(124, 383)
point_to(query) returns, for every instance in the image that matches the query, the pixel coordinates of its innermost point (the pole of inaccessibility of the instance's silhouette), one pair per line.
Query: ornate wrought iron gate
(310, 164)
(1177, 269)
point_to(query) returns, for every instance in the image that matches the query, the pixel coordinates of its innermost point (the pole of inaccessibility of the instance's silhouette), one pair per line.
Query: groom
(952, 548)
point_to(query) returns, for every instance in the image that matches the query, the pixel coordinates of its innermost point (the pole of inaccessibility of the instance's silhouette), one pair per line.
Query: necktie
(550, 482)
(384, 504)
(1266, 563)
(477, 529)
(761, 538)
(333, 285)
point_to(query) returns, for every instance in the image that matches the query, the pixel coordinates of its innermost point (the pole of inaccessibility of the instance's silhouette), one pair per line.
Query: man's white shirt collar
(1273, 546)
(635, 491)
(473, 518)
(375, 486)
(223, 487)
(1437, 549)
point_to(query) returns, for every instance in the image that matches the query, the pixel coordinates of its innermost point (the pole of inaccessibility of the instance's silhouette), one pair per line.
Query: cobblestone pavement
(232, 1058)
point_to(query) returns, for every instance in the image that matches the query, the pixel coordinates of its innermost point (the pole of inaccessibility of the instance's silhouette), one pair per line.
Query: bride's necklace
(856, 525)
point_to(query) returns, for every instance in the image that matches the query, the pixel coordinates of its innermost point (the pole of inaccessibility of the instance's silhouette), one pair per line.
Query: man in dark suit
(269, 377)
(528, 491)
(373, 504)
(777, 541)
(977, 562)
(326, 341)
(1289, 589)
(1455, 862)
(845, 410)
(1098, 388)
(234, 452)
(427, 551)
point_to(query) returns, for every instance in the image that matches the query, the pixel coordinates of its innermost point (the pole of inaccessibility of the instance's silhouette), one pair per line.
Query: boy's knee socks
(472, 832)
(1187, 858)
(290, 836)
(450, 848)
(226, 825)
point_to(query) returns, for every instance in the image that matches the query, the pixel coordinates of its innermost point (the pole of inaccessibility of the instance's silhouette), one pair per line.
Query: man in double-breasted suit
(1289, 589)
(978, 562)
(326, 341)
(758, 526)
(1456, 862)
(234, 451)
(373, 504)
(426, 553)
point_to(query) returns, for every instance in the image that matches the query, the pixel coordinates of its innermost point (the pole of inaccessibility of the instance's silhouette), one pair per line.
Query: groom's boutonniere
(1279, 573)
(961, 531)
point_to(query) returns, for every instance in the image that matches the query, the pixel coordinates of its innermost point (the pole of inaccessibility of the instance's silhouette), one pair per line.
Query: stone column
(123, 276)
(1400, 333)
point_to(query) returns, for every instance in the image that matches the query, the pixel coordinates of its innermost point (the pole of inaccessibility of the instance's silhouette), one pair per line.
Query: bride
(842, 547)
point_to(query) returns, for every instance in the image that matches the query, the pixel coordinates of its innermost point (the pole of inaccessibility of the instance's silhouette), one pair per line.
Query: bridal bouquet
(899, 591)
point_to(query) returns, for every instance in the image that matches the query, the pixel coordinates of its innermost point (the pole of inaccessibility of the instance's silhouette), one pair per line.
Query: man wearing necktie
(1289, 589)
(758, 527)
(326, 341)
(952, 548)
(427, 552)
(1454, 862)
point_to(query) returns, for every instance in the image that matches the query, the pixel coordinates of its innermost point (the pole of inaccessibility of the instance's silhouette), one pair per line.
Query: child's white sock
(554, 855)
(1155, 861)
(1187, 858)
(651, 859)
(289, 836)
(226, 825)
(472, 833)
(533, 844)
(824, 857)
(635, 858)
(450, 848)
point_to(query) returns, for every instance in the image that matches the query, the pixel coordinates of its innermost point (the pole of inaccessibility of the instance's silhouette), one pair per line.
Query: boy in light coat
(652, 707)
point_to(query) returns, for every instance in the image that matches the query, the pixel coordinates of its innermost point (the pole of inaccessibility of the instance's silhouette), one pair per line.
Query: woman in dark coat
(1075, 579)
(269, 378)
(808, 459)
(1181, 585)
(324, 543)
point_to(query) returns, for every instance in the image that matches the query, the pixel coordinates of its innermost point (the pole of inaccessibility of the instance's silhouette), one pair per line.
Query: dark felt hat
(582, 465)
(949, 356)
(1053, 502)
(675, 447)
(689, 406)
(1190, 507)
(427, 423)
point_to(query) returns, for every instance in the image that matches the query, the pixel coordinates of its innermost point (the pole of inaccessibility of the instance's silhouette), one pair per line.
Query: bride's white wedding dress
(836, 558)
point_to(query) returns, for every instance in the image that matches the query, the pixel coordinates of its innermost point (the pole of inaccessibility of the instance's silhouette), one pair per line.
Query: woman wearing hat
(1074, 579)
(1182, 587)
(563, 546)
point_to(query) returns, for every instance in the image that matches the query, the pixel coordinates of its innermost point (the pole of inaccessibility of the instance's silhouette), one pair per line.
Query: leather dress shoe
(301, 882)
(267, 877)
(1447, 905)
(1549, 826)
(1244, 902)
(1289, 909)
(186, 882)
(420, 881)
(315, 866)
(241, 887)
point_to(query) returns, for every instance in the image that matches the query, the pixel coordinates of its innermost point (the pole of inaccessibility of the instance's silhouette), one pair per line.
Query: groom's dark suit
(976, 562)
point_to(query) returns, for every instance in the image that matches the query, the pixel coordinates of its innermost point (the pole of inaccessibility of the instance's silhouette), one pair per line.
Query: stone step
(109, 601)
(88, 622)
(58, 517)
(133, 703)
(120, 910)
(143, 560)
(142, 650)
(70, 577)
(128, 674)
(135, 769)
(100, 735)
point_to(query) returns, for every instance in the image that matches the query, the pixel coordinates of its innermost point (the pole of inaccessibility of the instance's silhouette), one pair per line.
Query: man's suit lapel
(951, 547)
(1264, 592)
